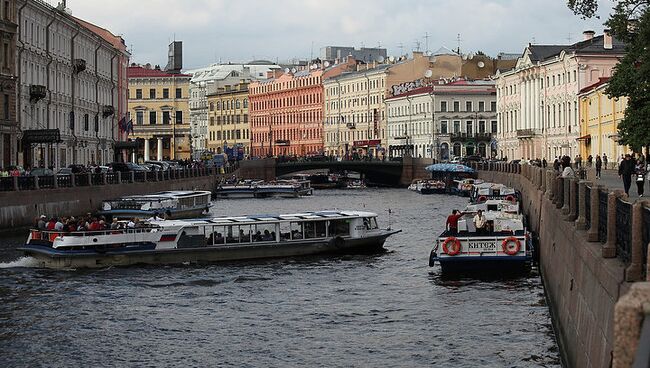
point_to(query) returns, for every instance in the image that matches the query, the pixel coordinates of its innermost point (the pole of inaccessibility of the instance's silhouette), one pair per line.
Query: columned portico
(146, 149)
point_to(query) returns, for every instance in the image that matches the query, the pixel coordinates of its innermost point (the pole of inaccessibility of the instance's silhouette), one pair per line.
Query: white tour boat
(505, 245)
(211, 240)
(260, 189)
(464, 187)
(173, 203)
(485, 191)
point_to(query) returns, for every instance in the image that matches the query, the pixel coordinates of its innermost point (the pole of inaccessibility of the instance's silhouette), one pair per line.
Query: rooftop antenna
(569, 38)
(378, 44)
(401, 49)
(426, 42)
(534, 42)
(458, 39)
(417, 45)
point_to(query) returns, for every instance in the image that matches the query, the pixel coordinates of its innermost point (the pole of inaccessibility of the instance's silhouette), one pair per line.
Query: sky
(279, 30)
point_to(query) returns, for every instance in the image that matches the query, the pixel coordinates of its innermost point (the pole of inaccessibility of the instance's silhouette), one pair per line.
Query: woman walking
(599, 166)
(640, 171)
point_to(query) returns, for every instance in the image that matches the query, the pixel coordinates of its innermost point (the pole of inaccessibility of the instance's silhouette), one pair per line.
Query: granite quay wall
(593, 246)
(19, 207)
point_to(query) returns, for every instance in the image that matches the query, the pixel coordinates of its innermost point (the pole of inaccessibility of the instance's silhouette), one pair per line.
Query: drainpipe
(49, 90)
(409, 126)
(113, 97)
(434, 133)
(21, 46)
(97, 97)
(72, 80)
(368, 109)
(338, 123)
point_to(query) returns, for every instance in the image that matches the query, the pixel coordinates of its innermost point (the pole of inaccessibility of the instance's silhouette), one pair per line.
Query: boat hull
(52, 258)
(510, 264)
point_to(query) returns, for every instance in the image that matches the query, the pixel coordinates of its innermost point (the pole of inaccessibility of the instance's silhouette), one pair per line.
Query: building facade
(286, 111)
(211, 79)
(159, 109)
(537, 101)
(68, 88)
(228, 121)
(8, 124)
(599, 117)
(444, 120)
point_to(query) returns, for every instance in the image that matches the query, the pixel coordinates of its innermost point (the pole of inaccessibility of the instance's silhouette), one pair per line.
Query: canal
(388, 309)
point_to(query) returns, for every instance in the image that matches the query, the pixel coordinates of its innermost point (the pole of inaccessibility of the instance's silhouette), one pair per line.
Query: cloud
(213, 30)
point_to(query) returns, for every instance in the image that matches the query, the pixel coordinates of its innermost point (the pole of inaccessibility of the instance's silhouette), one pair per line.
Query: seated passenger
(218, 239)
(267, 236)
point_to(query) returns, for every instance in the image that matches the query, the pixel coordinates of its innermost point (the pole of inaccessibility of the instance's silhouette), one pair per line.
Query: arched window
(245, 103)
(237, 104)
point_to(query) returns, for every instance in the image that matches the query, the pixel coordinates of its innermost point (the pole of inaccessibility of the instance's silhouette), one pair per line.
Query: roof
(593, 45)
(116, 41)
(140, 72)
(601, 81)
(256, 69)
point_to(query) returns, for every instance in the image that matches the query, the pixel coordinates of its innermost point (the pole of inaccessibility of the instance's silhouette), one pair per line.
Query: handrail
(97, 232)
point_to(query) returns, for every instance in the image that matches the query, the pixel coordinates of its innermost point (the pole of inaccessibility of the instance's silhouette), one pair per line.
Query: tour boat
(356, 184)
(211, 240)
(484, 191)
(260, 189)
(174, 204)
(431, 186)
(505, 246)
(464, 187)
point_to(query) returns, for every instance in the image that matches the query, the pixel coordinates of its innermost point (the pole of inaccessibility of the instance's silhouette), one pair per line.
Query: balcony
(79, 65)
(527, 133)
(351, 125)
(37, 92)
(463, 136)
(107, 111)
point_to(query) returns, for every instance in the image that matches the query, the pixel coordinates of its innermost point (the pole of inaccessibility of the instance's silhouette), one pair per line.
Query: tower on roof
(175, 58)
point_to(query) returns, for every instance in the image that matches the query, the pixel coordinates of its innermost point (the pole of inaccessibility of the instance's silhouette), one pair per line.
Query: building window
(211, 106)
(245, 103)
(211, 120)
(469, 127)
(245, 118)
(443, 127)
(152, 117)
(493, 106)
(481, 126)
(237, 104)
(165, 92)
(6, 9)
(481, 106)
(5, 55)
(179, 117)
(139, 117)
(443, 106)
(5, 107)
(218, 105)
(138, 94)
(468, 105)
(86, 122)
(494, 126)
(179, 94)
(456, 127)
(456, 106)
(152, 93)
(165, 117)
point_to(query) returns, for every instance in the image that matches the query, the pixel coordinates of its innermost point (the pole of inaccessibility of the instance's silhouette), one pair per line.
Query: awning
(121, 145)
(585, 138)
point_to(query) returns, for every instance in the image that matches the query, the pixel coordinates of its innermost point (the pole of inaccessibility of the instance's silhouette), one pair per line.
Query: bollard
(119, 177)
(629, 314)
(73, 180)
(559, 192)
(566, 196)
(634, 271)
(592, 233)
(550, 188)
(581, 221)
(573, 192)
(90, 179)
(132, 179)
(36, 185)
(104, 178)
(55, 180)
(609, 249)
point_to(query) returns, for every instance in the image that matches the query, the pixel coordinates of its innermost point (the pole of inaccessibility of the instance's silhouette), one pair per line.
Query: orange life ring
(455, 246)
(510, 198)
(508, 250)
(36, 235)
(54, 236)
(482, 198)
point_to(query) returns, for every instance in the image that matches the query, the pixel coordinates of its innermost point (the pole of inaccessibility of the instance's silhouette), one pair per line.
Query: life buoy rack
(511, 198)
(508, 249)
(455, 246)
(482, 198)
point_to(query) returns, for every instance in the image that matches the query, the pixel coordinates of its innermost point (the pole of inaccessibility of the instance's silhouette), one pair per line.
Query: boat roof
(260, 218)
(165, 195)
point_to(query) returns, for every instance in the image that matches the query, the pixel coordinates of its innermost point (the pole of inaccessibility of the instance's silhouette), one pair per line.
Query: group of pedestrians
(631, 169)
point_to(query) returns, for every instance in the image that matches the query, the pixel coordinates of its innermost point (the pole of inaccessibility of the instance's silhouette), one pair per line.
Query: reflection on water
(388, 309)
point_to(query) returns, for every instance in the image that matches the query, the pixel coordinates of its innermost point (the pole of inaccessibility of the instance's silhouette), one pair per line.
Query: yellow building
(228, 127)
(599, 118)
(159, 110)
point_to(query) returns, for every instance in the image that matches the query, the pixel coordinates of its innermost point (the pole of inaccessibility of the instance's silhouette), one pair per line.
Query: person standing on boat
(452, 222)
(480, 222)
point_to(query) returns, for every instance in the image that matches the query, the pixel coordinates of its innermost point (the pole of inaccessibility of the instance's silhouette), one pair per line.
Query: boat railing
(50, 235)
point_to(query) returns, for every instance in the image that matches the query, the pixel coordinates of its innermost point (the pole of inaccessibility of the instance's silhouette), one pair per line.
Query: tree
(630, 23)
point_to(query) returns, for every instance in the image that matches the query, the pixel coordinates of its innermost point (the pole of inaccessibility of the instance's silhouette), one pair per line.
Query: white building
(537, 100)
(446, 119)
(208, 80)
(71, 81)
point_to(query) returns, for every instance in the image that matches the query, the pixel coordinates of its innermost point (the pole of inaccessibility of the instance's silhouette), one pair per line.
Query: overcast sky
(242, 30)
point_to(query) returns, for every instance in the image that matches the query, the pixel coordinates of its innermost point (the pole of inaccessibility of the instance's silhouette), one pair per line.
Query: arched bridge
(391, 173)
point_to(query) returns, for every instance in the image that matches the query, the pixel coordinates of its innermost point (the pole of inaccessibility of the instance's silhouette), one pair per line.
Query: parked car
(163, 165)
(125, 167)
(151, 167)
(65, 171)
(78, 169)
(41, 171)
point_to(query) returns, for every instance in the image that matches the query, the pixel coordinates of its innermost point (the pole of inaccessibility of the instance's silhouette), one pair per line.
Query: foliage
(629, 22)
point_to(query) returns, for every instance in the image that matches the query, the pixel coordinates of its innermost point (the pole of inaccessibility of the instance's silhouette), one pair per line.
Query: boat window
(296, 230)
(314, 229)
(492, 207)
(215, 236)
(339, 228)
(264, 232)
(285, 231)
(244, 234)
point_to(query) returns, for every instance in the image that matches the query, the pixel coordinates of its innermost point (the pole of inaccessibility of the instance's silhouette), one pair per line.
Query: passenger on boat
(452, 221)
(480, 223)
(296, 234)
(155, 217)
(58, 226)
(51, 224)
(41, 224)
(115, 224)
(218, 239)
(131, 223)
(267, 236)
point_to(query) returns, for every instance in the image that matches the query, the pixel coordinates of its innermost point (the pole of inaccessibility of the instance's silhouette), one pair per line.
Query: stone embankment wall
(20, 208)
(591, 243)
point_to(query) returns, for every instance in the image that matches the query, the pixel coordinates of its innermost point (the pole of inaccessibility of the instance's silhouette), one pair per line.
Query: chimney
(588, 35)
(607, 40)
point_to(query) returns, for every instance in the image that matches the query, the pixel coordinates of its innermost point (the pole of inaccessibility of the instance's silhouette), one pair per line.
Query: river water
(388, 309)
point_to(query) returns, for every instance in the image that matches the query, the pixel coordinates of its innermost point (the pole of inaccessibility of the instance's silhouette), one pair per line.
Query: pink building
(286, 112)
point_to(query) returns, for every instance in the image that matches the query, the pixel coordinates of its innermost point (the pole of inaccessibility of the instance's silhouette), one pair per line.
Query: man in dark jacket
(625, 171)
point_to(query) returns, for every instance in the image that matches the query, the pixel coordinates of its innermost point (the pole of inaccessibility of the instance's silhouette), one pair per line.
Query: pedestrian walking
(605, 160)
(640, 171)
(599, 166)
(625, 171)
